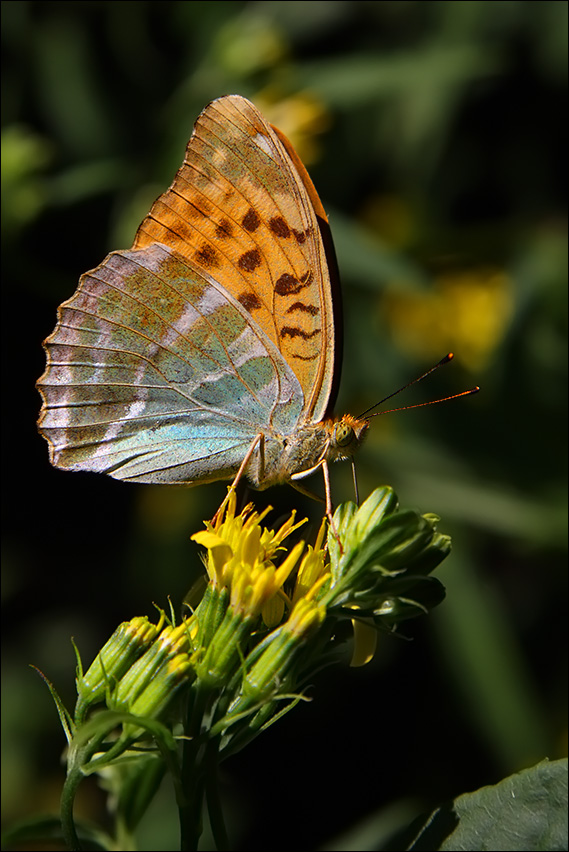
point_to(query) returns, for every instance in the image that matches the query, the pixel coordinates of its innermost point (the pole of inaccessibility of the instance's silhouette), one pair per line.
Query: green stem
(72, 782)
(77, 758)
(191, 823)
(192, 773)
(213, 800)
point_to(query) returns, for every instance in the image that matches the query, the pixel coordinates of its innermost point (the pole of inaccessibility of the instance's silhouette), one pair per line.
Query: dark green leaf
(526, 811)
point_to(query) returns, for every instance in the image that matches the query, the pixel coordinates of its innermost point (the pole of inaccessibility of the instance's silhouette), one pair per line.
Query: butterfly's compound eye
(343, 434)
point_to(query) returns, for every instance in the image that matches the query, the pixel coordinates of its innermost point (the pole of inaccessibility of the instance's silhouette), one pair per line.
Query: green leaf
(133, 784)
(527, 811)
(44, 831)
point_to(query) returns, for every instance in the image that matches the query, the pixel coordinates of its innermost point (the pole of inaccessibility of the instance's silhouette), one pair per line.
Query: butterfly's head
(346, 436)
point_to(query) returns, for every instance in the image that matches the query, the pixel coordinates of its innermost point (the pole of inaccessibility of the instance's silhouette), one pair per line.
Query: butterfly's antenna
(444, 360)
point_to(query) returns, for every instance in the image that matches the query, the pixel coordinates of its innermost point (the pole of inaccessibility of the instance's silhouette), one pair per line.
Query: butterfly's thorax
(283, 458)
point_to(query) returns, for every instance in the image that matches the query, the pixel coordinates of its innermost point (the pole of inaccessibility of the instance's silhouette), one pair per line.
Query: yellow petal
(365, 643)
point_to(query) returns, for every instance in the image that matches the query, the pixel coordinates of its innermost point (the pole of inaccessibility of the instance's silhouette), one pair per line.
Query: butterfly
(211, 348)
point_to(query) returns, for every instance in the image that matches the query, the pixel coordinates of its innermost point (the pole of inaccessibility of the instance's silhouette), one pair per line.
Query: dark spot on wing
(300, 236)
(300, 357)
(223, 229)
(250, 220)
(288, 285)
(307, 309)
(207, 255)
(288, 331)
(197, 206)
(279, 227)
(250, 301)
(250, 260)
(183, 230)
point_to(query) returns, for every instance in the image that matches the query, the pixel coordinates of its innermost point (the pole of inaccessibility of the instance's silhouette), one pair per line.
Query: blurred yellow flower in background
(301, 117)
(467, 312)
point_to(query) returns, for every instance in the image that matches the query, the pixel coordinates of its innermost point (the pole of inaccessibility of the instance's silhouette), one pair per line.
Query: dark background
(435, 134)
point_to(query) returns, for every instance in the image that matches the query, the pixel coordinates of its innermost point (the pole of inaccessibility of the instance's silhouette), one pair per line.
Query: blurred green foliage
(435, 133)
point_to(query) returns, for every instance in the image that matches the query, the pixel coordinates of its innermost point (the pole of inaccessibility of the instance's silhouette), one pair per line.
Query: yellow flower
(241, 556)
(313, 571)
(306, 615)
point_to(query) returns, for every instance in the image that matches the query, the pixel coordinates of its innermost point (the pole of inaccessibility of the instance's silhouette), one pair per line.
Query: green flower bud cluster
(381, 558)
(125, 646)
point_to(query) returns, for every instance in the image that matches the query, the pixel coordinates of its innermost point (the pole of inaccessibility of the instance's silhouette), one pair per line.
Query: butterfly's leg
(355, 478)
(327, 500)
(327, 491)
(306, 491)
(258, 439)
(329, 507)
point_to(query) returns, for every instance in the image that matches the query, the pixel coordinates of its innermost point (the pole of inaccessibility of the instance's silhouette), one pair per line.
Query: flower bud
(128, 642)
